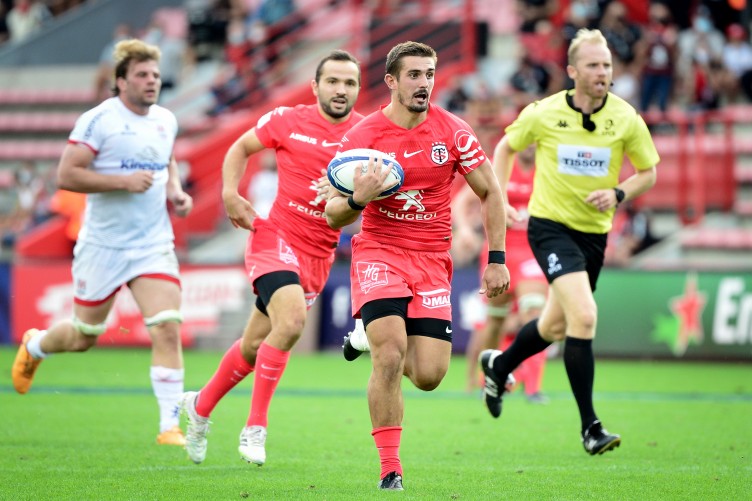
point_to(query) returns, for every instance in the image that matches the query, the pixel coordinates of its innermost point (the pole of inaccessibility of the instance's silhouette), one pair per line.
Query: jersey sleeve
(522, 132)
(471, 154)
(271, 128)
(639, 147)
(89, 129)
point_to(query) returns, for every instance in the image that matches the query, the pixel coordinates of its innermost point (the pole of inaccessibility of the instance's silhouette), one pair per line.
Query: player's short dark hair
(336, 55)
(405, 49)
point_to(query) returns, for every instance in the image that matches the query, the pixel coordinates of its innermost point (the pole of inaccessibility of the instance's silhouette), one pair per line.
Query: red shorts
(380, 271)
(267, 252)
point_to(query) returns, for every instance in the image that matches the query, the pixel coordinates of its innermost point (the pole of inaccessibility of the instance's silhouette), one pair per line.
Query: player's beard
(336, 114)
(413, 107)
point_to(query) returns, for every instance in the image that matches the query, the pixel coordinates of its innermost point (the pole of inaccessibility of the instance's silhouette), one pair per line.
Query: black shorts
(560, 250)
(428, 327)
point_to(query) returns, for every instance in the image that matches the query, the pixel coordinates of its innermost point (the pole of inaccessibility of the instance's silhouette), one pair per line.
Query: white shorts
(99, 272)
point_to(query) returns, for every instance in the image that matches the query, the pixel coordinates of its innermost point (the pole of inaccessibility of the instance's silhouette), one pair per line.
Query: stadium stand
(707, 156)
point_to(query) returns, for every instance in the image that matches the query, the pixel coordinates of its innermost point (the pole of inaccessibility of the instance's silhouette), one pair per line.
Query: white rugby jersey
(124, 142)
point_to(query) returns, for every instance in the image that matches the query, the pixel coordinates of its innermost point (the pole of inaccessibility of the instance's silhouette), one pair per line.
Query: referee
(582, 136)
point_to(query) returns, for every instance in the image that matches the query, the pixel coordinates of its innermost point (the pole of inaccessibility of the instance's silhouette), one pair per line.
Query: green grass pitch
(86, 431)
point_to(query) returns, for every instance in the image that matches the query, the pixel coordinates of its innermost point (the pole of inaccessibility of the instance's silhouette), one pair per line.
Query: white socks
(358, 339)
(168, 387)
(34, 348)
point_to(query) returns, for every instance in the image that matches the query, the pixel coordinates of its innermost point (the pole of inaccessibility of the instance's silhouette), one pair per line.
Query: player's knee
(427, 381)
(249, 348)
(290, 325)
(388, 362)
(585, 319)
(80, 342)
(552, 331)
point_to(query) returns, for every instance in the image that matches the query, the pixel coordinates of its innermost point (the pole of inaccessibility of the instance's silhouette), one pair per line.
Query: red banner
(43, 294)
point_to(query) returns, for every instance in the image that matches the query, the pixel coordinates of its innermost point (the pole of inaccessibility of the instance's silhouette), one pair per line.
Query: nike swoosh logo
(448, 330)
(327, 144)
(264, 366)
(411, 154)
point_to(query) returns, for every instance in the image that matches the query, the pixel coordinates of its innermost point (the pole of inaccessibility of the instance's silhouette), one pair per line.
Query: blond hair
(128, 51)
(583, 36)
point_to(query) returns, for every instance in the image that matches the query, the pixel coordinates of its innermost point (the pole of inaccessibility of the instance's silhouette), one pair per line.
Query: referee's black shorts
(560, 250)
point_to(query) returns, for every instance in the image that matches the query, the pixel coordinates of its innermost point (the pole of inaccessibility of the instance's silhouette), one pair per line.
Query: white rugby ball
(341, 170)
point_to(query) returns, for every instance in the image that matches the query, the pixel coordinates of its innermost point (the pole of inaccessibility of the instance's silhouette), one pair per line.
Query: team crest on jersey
(371, 275)
(286, 254)
(439, 153)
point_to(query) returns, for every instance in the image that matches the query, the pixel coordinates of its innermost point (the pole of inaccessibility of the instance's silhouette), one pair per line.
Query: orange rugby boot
(173, 436)
(24, 366)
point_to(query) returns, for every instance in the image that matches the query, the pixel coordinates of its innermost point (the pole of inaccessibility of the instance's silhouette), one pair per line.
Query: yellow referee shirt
(571, 162)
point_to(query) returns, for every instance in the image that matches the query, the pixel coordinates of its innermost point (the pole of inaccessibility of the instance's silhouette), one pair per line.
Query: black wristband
(619, 195)
(353, 205)
(497, 257)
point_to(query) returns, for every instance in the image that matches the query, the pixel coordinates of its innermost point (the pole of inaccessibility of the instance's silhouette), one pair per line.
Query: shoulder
(279, 114)
(99, 113)
(618, 108)
(544, 107)
(439, 114)
(162, 113)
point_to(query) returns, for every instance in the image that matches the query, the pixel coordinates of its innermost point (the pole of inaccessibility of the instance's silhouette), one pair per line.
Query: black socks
(580, 365)
(527, 343)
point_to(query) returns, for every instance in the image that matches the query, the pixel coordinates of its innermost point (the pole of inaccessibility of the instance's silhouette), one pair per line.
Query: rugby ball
(341, 170)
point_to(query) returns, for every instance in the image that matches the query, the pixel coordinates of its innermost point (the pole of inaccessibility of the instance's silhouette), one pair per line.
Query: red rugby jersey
(305, 143)
(418, 216)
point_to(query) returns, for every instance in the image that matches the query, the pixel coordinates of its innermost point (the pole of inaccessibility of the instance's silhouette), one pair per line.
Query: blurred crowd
(689, 54)
(692, 55)
(20, 19)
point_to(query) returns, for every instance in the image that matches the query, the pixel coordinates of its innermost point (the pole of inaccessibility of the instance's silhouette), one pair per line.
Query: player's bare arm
(485, 185)
(181, 201)
(634, 186)
(73, 174)
(368, 182)
(239, 210)
(503, 163)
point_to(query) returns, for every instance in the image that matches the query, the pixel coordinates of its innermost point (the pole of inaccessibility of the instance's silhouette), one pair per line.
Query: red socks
(387, 440)
(270, 365)
(233, 368)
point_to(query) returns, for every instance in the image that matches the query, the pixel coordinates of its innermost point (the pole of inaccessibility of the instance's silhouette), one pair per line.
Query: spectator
(271, 23)
(657, 58)
(531, 12)
(626, 85)
(619, 32)
(632, 233)
(26, 18)
(173, 49)
(737, 59)
(26, 191)
(529, 82)
(698, 46)
(207, 26)
(4, 34)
